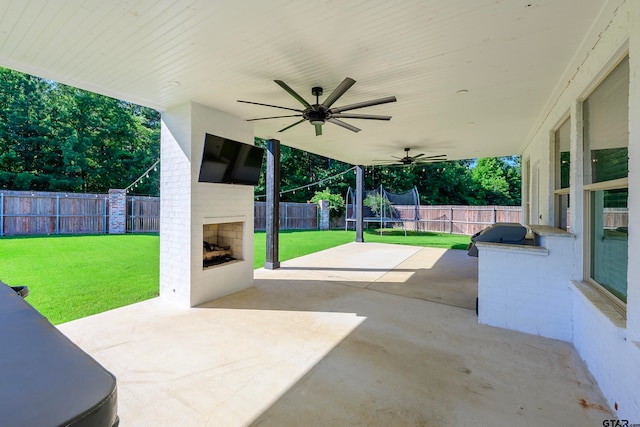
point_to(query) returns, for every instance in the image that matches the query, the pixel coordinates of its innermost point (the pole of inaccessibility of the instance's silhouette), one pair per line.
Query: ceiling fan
(418, 158)
(320, 113)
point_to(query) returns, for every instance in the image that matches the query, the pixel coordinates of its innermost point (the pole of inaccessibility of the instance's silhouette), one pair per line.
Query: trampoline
(384, 207)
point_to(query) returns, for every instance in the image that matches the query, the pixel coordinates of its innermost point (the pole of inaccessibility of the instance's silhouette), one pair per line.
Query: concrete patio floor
(346, 336)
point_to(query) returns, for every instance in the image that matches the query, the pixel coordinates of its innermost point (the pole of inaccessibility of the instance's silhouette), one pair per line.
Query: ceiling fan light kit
(320, 113)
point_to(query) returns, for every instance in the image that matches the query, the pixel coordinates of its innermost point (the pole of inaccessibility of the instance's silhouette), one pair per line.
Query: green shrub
(336, 201)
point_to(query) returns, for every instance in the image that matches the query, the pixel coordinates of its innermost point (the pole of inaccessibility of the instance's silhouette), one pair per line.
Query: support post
(359, 204)
(272, 261)
(450, 219)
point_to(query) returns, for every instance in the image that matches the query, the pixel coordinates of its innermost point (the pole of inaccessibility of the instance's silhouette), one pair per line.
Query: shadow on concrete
(411, 362)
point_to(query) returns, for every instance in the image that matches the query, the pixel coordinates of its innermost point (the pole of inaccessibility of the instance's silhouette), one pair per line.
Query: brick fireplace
(193, 212)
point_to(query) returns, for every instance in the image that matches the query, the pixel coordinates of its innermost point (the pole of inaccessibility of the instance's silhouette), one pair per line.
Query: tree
(300, 169)
(495, 179)
(459, 182)
(59, 138)
(25, 152)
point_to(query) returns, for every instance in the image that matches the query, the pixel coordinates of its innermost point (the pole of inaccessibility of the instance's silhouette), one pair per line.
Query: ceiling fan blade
(344, 125)
(417, 156)
(422, 161)
(290, 126)
(292, 92)
(274, 117)
(361, 116)
(269, 105)
(438, 157)
(318, 130)
(363, 104)
(338, 92)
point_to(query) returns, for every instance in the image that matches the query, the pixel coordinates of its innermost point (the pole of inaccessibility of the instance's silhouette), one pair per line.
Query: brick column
(117, 211)
(324, 214)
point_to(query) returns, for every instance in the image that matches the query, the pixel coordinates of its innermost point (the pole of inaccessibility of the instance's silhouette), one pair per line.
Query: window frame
(559, 192)
(619, 305)
(589, 189)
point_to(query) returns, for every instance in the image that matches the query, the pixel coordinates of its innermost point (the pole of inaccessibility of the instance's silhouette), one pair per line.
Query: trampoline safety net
(384, 207)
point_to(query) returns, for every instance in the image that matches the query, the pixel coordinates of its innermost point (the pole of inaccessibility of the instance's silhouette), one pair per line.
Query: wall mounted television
(226, 161)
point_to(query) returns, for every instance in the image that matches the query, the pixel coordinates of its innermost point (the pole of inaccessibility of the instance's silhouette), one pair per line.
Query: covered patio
(346, 336)
(357, 337)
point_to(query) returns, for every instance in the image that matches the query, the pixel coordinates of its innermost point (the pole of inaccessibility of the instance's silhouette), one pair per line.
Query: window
(609, 239)
(606, 141)
(562, 170)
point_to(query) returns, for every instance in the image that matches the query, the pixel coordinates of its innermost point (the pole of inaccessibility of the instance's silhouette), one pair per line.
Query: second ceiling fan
(320, 113)
(408, 160)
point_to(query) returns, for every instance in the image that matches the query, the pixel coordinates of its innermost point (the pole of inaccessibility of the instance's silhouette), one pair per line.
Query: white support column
(576, 196)
(186, 205)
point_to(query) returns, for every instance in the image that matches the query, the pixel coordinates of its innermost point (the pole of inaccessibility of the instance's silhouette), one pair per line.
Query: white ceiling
(511, 56)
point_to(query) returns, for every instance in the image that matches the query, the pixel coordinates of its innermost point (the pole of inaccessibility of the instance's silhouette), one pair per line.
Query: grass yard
(416, 238)
(75, 276)
(70, 277)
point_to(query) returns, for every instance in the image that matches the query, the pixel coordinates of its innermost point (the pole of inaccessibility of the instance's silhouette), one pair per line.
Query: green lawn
(70, 277)
(75, 276)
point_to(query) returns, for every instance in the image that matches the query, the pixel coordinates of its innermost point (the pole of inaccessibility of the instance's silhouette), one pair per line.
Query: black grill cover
(45, 379)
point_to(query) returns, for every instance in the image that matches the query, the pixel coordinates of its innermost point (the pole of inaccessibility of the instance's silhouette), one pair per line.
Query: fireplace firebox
(221, 243)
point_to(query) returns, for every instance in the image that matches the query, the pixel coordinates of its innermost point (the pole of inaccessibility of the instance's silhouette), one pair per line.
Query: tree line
(485, 181)
(55, 137)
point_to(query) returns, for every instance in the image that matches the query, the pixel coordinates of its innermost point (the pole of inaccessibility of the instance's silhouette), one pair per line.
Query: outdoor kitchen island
(527, 288)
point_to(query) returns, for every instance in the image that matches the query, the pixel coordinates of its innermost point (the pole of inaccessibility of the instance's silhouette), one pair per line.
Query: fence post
(104, 218)
(133, 214)
(495, 216)
(451, 220)
(1, 214)
(286, 216)
(57, 214)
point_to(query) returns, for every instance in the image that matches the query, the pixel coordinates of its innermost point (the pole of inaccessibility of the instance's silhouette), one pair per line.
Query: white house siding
(609, 347)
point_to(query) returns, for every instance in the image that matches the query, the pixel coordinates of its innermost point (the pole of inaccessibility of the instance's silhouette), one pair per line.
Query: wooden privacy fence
(293, 216)
(143, 214)
(38, 212)
(43, 212)
(452, 218)
(463, 219)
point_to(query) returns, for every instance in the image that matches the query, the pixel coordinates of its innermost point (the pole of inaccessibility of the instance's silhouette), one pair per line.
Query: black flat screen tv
(225, 161)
